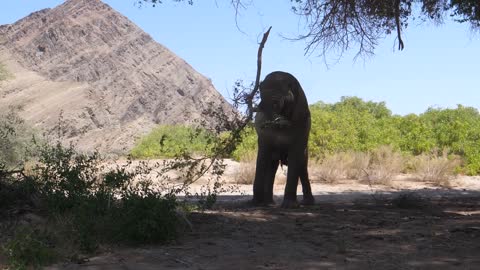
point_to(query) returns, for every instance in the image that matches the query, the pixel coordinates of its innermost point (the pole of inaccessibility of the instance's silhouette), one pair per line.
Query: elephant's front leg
(270, 172)
(308, 198)
(259, 183)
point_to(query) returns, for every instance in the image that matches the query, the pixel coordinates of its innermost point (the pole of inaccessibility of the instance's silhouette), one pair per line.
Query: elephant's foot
(262, 203)
(308, 200)
(290, 203)
(256, 202)
(270, 202)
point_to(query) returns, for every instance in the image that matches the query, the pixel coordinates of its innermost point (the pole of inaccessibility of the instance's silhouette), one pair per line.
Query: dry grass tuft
(378, 167)
(338, 166)
(385, 163)
(436, 167)
(281, 176)
(245, 173)
(356, 164)
(330, 169)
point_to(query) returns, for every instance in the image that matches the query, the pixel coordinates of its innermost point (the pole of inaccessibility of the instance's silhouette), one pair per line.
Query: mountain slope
(110, 81)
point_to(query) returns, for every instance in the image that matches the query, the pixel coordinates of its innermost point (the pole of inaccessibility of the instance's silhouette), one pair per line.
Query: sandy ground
(409, 224)
(444, 234)
(352, 226)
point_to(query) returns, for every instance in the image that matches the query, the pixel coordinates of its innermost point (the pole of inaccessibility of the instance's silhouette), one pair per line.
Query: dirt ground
(410, 225)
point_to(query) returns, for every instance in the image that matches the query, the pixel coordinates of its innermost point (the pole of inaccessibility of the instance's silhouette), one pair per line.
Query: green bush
(172, 141)
(127, 209)
(29, 247)
(247, 148)
(144, 219)
(459, 131)
(15, 139)
(364, 126)
(17, 191)
(353, 124)
(89, 205)
(350, 125)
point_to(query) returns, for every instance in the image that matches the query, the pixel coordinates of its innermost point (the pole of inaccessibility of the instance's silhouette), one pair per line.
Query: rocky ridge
(108, 79)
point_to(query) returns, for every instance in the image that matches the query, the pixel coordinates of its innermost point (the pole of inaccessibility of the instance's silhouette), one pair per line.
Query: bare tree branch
(335, 26)
(249, 97)
(397, 22)
(237, 4)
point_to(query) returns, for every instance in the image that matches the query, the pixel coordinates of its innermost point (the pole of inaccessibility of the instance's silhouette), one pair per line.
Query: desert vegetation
(58, 203)
(360, 139)
(66, 206)
(169, 141)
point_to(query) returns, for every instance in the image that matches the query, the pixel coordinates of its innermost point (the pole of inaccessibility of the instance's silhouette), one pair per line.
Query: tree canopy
(339, 25)
(335, 26)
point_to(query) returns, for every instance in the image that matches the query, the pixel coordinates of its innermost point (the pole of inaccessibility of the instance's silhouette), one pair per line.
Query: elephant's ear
(293, 95)
(289, 104)
(261, 106)
(290, 98)
(294, 89)
(300, 107)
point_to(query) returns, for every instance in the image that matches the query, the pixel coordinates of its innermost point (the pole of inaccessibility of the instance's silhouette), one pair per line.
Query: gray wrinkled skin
(282, 124)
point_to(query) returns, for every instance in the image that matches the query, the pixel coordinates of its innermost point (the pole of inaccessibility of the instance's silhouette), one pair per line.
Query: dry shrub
(385, 163)
(330, 169)
(281, 176)
(245, 173)
(342, 165)
(356, 164)
(436, 167)
(378, 167)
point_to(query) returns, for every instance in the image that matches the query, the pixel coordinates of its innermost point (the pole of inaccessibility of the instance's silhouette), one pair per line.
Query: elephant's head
(277, 96)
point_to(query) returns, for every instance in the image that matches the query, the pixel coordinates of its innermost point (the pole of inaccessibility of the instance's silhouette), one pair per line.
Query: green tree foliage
(15, 138)
(171, 141)
(247, 148)
(351, 124)
(416, 135)
(459, 131)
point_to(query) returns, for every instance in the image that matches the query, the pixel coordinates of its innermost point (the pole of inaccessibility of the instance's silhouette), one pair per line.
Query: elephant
(282, 124)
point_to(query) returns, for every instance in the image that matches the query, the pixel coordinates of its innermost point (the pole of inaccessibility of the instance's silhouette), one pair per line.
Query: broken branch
(249, 97)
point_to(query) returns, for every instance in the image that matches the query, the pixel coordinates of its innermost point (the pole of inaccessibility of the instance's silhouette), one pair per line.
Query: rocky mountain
(109, 80)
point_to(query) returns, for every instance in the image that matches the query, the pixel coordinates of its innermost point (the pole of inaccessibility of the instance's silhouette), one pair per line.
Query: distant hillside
(111, 81)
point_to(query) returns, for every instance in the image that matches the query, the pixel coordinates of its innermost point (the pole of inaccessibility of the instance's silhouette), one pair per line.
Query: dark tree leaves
(335, 26)
(338, 25)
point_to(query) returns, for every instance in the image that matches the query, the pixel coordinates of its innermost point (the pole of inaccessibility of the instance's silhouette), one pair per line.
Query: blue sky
(439, 66)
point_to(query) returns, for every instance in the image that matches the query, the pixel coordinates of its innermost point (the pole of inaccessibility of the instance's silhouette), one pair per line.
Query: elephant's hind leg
(308, 198)
(306, 188)
(259, 181)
